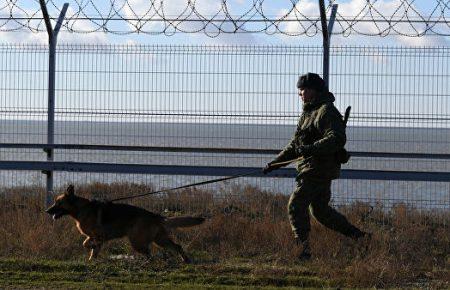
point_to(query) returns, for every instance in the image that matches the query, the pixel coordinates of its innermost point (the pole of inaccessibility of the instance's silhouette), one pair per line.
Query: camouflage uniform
(321, 129)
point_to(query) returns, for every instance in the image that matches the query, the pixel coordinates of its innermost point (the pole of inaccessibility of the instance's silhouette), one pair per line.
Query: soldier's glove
(271, 166)
(305, 150)
(268, 168)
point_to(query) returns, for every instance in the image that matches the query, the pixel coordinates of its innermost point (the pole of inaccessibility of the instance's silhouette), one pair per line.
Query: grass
(51, 274)
(246, 242)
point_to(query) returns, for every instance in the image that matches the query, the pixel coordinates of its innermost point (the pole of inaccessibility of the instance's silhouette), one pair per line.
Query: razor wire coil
(158, 17)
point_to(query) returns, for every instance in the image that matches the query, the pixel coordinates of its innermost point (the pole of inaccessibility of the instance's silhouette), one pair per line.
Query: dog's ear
(70, 190)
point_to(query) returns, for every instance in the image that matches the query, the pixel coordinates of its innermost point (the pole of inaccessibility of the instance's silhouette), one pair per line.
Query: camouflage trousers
(314, 196)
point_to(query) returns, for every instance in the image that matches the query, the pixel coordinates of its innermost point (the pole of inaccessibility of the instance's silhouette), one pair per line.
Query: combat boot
(305, 254)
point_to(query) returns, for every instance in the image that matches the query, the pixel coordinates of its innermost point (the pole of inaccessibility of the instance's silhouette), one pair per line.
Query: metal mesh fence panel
(229, 97)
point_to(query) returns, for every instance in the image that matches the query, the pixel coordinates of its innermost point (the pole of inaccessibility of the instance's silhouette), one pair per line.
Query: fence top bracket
(52, 33)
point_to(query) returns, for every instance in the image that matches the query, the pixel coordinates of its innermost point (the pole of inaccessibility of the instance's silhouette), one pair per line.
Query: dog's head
(64, 204)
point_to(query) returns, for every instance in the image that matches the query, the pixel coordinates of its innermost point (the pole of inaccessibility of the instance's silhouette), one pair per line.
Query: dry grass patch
(409, 247)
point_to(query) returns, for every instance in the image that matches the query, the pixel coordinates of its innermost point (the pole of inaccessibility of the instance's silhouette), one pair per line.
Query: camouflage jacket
(320, 125)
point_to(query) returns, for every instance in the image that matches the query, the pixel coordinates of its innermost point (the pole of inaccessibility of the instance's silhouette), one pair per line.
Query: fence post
(326, 33)
(52, 40)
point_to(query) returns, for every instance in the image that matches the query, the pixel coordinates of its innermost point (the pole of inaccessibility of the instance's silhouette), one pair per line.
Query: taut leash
(202, 182)
(188, 185)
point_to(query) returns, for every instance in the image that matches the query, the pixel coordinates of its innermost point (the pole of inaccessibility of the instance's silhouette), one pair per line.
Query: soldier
(320, 135)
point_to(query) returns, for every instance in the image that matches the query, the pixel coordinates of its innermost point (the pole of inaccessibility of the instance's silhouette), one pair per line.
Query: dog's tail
(183, 221)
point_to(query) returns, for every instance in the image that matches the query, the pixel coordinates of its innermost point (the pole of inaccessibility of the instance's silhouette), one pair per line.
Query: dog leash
(188, 185)
(251, 172)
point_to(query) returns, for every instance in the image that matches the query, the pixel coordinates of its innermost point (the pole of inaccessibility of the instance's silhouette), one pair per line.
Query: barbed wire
(369, 17)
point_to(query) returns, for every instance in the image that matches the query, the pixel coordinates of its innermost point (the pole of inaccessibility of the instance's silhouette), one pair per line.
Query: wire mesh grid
(227, 97)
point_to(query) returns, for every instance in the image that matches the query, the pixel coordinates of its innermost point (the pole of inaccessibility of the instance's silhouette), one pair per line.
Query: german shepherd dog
(101, 222)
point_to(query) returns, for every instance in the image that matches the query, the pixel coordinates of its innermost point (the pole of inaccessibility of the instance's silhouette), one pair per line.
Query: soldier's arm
(332, 127)
(288, 153)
